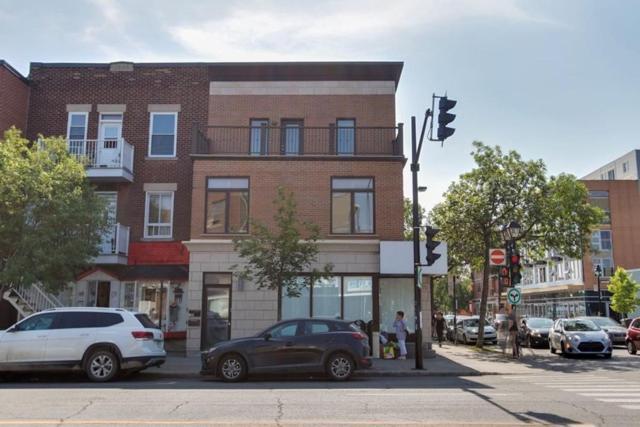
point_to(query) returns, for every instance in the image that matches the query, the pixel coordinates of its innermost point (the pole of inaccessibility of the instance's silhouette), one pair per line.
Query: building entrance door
(110, 131)
(103, 294)
(216, 312)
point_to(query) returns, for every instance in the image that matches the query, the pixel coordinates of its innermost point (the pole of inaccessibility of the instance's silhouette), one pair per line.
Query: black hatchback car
(334, 347)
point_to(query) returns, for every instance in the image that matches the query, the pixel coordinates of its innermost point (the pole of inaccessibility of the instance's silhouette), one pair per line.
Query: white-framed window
(163, 134)
(77, 126)
(601, 240)
(158, 214)
(625, 167)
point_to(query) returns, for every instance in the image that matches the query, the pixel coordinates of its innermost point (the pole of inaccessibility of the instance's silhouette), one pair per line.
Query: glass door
(217, 327)
(110, 132)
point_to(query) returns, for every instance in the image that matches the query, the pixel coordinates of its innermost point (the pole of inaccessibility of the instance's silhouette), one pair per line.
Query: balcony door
(291, 136)
(108, 144)
(108, 244)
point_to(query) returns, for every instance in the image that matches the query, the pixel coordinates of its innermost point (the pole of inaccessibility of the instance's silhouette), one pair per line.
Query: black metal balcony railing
(298, 141)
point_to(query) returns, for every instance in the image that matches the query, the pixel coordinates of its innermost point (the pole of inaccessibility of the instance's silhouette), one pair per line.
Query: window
(625, 167)
(285, 330)
(337, 297)
(345, 136)
(352, 205)
(601, 240)
(259, 138)
(77, 126)
(601, 200)
(396, 294)
(611, 175)
(162, 134)
(605, 263)
(227, 208)
(39, 322)
(316, 327)
(291, 143)
(87, 319)
(158, 221)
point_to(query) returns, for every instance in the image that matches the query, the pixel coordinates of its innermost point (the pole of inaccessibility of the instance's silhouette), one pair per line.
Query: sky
(556, 80)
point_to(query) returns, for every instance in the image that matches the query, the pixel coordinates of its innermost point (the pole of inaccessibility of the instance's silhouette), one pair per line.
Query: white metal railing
(103, 153)
(35, 298)
(115, 241)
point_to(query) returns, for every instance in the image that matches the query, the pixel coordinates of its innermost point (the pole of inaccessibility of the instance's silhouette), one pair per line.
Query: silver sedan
(579, 336)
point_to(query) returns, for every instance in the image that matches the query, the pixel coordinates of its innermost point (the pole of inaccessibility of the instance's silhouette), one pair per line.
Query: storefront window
(129, 296)
(327, 298)
(358, 301)
(294, 307)
(395, 295)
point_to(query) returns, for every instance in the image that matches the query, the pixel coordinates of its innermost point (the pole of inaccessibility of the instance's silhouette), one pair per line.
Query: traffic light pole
(415, 167)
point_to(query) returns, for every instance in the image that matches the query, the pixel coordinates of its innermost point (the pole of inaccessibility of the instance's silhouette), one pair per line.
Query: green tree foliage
(444, 302)
(554, 212)
(624, 290)
(408, 219)
(276, 258)
(51, 220)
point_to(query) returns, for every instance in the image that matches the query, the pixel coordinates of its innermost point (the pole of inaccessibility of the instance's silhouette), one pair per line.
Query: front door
(216, 321)
(103, 294)
(27, 341)
(109, 133)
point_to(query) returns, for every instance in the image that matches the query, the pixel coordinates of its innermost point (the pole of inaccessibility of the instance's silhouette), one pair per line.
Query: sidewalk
(450, 360)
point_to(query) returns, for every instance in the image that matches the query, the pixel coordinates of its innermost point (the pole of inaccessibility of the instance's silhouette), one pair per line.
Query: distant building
(626, 167)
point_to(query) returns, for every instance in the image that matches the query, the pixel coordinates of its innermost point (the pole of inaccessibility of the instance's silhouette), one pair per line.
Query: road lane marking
(610, 394)
(589, 389)
(630, 406)
(322, 422)
(619, 400)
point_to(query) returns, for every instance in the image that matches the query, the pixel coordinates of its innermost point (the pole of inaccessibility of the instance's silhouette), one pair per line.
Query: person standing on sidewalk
(513, 333)
(439, 326)
(400, 327)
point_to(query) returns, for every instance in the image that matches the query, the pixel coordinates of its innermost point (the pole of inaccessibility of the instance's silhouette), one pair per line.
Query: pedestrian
(400, 328)
(439, 326)
(513, 333)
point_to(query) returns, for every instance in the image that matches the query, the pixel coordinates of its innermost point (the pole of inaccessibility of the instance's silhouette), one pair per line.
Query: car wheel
(340, 367)
(232, 368)
(101, 366)
(631, 347)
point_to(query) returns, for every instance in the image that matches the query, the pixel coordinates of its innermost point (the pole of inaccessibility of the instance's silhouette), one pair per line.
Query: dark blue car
(334, 347)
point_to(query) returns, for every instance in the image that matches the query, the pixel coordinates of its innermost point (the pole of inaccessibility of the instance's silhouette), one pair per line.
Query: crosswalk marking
(620, 400)
(610, 394)
(603, 389)
(630, 406)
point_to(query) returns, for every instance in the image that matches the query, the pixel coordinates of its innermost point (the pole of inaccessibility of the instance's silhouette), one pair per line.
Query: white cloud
(264, 31)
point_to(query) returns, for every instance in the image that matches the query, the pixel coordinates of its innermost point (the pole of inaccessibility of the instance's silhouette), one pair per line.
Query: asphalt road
(575, 391)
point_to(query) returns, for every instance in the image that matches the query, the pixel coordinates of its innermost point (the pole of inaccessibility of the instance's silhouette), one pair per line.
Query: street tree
(275, 258)
(443, 300)
(51, 220)
(554, 212)
(408, 219)
(624, 292)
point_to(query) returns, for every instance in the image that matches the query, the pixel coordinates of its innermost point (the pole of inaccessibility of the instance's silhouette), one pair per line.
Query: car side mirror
(267, 336)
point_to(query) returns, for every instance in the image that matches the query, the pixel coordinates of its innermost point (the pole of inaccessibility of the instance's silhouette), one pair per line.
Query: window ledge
(363, 235)
(160, 158)
(157, 239)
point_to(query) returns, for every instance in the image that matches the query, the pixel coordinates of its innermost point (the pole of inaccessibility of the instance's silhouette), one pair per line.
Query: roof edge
(13, 71)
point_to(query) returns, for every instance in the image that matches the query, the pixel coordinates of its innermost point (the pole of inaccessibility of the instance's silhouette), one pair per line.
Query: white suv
(100, 341)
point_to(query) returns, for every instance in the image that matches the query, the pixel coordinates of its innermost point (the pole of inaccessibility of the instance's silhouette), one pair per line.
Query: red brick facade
(14, 98)
(53, 87)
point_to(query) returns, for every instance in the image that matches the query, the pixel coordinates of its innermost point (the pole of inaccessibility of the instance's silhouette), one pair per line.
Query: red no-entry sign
(497, 256)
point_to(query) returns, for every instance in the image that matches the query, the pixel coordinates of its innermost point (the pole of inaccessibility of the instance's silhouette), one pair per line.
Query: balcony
(114, 247)
(107, 160)
(291, 141)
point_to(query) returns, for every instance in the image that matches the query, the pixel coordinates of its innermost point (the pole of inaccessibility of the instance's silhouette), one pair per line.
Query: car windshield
(539, 323)
(580, 326)
(604, 321)
(474, 323)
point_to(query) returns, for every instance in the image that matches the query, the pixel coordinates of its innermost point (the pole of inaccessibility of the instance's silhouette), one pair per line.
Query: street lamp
(598, 273)
(511, 231)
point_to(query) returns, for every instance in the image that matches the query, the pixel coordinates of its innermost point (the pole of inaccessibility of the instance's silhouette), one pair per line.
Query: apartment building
(187, 154)
(14, 97)
(327, 133)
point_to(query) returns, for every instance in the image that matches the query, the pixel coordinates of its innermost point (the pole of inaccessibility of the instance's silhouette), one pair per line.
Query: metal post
(415, 167)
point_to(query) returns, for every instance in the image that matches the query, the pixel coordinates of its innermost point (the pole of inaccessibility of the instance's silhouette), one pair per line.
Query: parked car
(451, 328)
(536, 331)
(99, 341)
(334, 347)
(632, 339)
(616, 331)
(467, 331)
(579, 336)
(500, 320)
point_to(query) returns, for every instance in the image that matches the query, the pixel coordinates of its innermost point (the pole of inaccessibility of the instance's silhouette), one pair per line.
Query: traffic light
(444, 118)
(430, 232)
(516, 270)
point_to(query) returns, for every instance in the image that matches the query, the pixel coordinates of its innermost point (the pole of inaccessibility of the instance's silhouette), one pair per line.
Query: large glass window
(601, 240)
(601, 200)
(352, 205)
(159, 214)
(396, 295)
(337, 297)
(227, 209)
(327, 298)
(162, 134)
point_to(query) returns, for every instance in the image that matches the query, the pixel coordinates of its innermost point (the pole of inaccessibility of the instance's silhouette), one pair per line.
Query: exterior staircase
(30, 299)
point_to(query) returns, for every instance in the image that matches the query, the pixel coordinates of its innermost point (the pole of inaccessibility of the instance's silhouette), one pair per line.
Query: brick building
(14, 97)
(187, 153)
